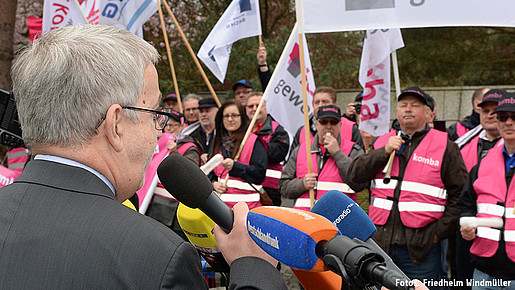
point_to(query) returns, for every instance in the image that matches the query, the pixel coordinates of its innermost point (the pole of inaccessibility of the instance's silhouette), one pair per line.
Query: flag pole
(80, 11)
(188, 46)
(396, 79)
(169, 53)
(307, 131)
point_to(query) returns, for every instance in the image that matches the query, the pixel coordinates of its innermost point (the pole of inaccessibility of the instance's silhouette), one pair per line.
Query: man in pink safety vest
(489, 192)
(330, 156)
(471, 121)
(417, 208)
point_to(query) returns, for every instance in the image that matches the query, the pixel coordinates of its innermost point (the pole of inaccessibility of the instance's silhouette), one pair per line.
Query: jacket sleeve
(264, 77)
(453, 176)
(467, 204)
(184, 271)
(255, 273)
(256, 170)
(289, 185)
(343, 163)
(365, 167)
(278, 145)
(356, 136)
(296, 139)
(193, 154)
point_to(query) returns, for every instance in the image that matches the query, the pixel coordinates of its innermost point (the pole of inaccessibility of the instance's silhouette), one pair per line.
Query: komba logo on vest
(425, 160)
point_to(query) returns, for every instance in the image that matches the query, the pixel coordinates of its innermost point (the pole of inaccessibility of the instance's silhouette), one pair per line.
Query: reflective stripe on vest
(492, 209)
(328, 186)
(302, 203)
(253, 197)
(163, 193)
(382, 203)
(233, 183)
(379, 183)
(412, 206)
(424, 189)
(273, 173)
(489, 233)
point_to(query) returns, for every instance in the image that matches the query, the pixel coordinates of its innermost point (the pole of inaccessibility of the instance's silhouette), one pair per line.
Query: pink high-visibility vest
(328, 179)
(274, 170)
(494, 199)
(461, 130)
(237, 188)
(422, 196)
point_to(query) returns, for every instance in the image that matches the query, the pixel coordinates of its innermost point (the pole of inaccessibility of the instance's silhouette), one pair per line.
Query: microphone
(181, 177)
(475, 222)
(212, 163)
(198, 228)
(352, 221)
(298, 239)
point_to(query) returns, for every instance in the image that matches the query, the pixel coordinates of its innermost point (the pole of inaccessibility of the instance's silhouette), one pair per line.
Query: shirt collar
(73, 163)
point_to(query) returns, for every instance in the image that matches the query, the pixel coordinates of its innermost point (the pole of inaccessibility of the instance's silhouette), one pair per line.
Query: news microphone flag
(290, 235)
(240, 20)
(283, 94)
(374, 77)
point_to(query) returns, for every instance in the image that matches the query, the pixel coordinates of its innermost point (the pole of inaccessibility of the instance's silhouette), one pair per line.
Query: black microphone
(181, 178)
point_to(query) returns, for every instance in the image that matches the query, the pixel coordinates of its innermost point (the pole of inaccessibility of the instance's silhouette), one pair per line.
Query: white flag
(347, 15)
(374, 77)
(283, 94)
(127, 14)
(61, 13)
(240, 20)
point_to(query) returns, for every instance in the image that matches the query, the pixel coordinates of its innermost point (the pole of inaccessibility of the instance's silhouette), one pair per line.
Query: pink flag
(35, 25)
(150, 173)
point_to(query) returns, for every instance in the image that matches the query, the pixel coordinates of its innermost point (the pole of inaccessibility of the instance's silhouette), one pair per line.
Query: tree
(7, 21)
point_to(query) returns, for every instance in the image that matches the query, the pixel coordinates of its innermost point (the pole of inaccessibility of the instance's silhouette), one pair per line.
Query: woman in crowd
(249, 170)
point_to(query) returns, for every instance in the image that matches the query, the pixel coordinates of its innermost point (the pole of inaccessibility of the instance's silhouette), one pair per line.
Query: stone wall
(452, 103)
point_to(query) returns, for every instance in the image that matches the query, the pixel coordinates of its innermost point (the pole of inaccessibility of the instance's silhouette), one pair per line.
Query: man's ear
(114, 126)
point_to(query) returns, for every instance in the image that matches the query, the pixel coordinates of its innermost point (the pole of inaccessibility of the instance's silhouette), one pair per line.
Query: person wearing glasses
(63, 220)
(330, 155)
(242, 90)
(489, 193)
(474, 145)
(248, 171)
(415, 212)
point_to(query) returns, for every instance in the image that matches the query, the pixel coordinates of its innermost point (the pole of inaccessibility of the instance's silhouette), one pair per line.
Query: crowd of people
(65, 210)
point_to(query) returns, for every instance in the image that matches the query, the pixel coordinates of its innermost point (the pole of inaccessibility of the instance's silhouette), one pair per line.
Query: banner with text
(61, 13)
(127, 14)
(374, 77)
(284, 92)
(240, 20)
(348, 15)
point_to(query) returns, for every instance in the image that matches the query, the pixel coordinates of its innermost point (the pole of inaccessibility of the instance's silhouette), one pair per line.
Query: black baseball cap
(359, 97)
(506, 103)
(170, 96)
(330, 111)
(244, 83)
(207, 103)
(418, 93)
(177, 116)
(493, 96)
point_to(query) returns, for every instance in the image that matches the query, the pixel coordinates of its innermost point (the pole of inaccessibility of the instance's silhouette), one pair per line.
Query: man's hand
(203, 159)
(237, 243)
(468, 233)
(219, 187)
(309, 180)
(228, 164)
(171, 145)
(351, 110)
(393, 144)
(330, 144)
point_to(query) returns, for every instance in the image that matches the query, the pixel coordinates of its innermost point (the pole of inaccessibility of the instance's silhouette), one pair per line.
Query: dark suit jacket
(62, 228)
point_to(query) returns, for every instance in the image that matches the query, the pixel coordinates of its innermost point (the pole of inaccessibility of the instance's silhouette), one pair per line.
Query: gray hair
(191, 96)
(67, 80)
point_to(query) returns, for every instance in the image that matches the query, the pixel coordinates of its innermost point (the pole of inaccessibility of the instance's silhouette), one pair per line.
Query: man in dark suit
(87, 99)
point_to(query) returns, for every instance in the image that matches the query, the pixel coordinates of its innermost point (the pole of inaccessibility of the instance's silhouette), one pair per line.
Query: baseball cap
(492, 96)
(330, 111)
(506, 103)
(359, 97)
(170, 96)
(176, 116)
(418, 93)
(207, 103)
(244, 83)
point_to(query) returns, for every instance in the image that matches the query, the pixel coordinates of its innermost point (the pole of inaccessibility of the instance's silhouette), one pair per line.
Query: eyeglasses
(160, 117)
(233, 116)
(504, 117)
(324, 122)
(243, 92)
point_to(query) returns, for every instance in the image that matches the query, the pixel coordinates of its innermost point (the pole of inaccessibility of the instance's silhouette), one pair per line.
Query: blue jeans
(430, 268)
(481, 276)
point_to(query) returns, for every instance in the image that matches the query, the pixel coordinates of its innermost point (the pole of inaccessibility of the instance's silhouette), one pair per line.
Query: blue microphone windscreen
(346, 215)
(283, 242)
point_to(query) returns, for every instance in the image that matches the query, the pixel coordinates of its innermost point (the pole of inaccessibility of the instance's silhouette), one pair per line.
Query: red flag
(35, 25)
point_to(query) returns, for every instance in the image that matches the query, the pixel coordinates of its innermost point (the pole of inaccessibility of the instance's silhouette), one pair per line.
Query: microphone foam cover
(346, 215)
(290, 235)
(180, 177)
